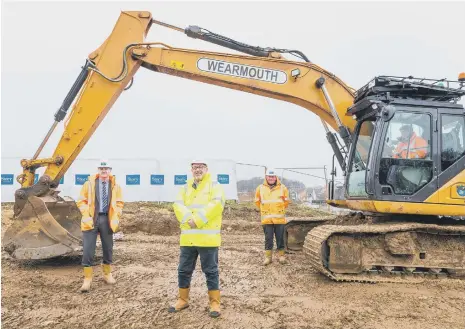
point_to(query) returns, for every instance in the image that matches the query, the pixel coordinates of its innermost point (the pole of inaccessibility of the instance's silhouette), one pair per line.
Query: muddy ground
(45, 294)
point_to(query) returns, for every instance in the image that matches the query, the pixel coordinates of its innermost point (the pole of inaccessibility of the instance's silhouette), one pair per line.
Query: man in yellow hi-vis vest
(199, 209)
(272, 197)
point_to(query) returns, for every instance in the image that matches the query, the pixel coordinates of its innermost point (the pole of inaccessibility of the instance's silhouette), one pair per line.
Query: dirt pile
(45, 294)
(158, 218)
(149, 217)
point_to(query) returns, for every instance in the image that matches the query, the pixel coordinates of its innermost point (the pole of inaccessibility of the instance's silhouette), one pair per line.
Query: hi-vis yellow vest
(272, 202)
(205, 206)
(86, 203)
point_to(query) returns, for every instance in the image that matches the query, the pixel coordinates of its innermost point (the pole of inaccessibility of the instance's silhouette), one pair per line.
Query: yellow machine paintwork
(183, 63)
(447, 194)
(412, 208)
(337, 203)
(98, 94)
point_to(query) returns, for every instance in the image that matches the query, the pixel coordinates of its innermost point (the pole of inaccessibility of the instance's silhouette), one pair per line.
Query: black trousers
(274, 230)
(208, 260)
(89, 239)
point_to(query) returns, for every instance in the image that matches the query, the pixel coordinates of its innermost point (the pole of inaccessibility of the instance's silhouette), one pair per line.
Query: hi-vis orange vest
(272, 202)
(417, 148)
(86, 203)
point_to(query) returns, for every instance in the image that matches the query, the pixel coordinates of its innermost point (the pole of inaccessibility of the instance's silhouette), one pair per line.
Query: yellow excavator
(402, 152)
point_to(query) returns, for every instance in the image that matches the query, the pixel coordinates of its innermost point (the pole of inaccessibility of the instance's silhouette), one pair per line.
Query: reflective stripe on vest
(115, 221)
(203, 217)
(201, 231)
(89, 193)
(411, 147)
(196, 206)
(273, 216)
(219, 199)
(272, 201)
(187, 215)
(87, 220)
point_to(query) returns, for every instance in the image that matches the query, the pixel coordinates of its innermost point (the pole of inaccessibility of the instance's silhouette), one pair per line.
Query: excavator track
(297, 229)
(408, 264)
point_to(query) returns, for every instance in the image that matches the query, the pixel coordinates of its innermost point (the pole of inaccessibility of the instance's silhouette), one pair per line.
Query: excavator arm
(105, 75)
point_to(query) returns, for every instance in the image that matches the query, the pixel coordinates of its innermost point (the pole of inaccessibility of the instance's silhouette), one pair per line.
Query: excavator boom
(48, 225)
(294, 82)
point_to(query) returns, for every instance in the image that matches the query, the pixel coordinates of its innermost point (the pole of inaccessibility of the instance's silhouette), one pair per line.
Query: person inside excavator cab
(410, 146)
(406, 178)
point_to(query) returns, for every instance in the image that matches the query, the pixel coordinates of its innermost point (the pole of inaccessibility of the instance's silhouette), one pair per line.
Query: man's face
(199, 170)
(104, 172)
(271, 179)
(405, 134)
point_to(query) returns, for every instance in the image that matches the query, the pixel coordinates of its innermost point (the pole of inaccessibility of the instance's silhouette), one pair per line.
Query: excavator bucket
(46, 227)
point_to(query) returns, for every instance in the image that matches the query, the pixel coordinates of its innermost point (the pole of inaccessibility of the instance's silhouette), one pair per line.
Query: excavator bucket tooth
(46, 227)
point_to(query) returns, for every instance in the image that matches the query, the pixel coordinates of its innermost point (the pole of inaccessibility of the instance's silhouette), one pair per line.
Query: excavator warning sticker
(461, 190)
(241, 70)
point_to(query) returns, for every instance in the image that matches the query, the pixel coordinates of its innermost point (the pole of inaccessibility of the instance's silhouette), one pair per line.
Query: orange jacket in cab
(272, 202)
(416, 149)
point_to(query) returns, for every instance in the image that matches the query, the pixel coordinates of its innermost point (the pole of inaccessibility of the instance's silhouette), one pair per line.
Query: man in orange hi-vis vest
(101, 205)
(272, 198)
(410, 146)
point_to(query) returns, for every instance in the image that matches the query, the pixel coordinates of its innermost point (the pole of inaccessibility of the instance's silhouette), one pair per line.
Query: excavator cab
(405, 178)
(408, 141)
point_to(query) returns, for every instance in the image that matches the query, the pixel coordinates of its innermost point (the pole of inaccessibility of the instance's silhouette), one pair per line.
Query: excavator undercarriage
(388, 249)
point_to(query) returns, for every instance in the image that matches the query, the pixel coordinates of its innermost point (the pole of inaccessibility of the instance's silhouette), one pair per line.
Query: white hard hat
(104, 164)
(200, 161)
(271, 172)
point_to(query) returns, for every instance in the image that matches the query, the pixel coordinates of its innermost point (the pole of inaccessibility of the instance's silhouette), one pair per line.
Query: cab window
(406, 164)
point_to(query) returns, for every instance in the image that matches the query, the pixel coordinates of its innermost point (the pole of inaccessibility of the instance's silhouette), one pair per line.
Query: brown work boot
(282, 258)
(182, 302)
(268, 257)
(87, 279)
(107, 277)
(214, 297)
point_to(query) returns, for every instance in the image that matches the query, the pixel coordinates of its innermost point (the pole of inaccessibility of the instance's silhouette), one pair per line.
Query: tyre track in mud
(45, 295)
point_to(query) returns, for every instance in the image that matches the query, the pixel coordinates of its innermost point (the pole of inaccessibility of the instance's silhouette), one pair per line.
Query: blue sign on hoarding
(80, 179)
(157, 179)
(7, 179)
(133, 179)
(180, 179)
(223, 179)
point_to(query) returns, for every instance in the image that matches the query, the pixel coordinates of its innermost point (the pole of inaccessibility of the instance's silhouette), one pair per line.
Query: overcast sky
(44, 44)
